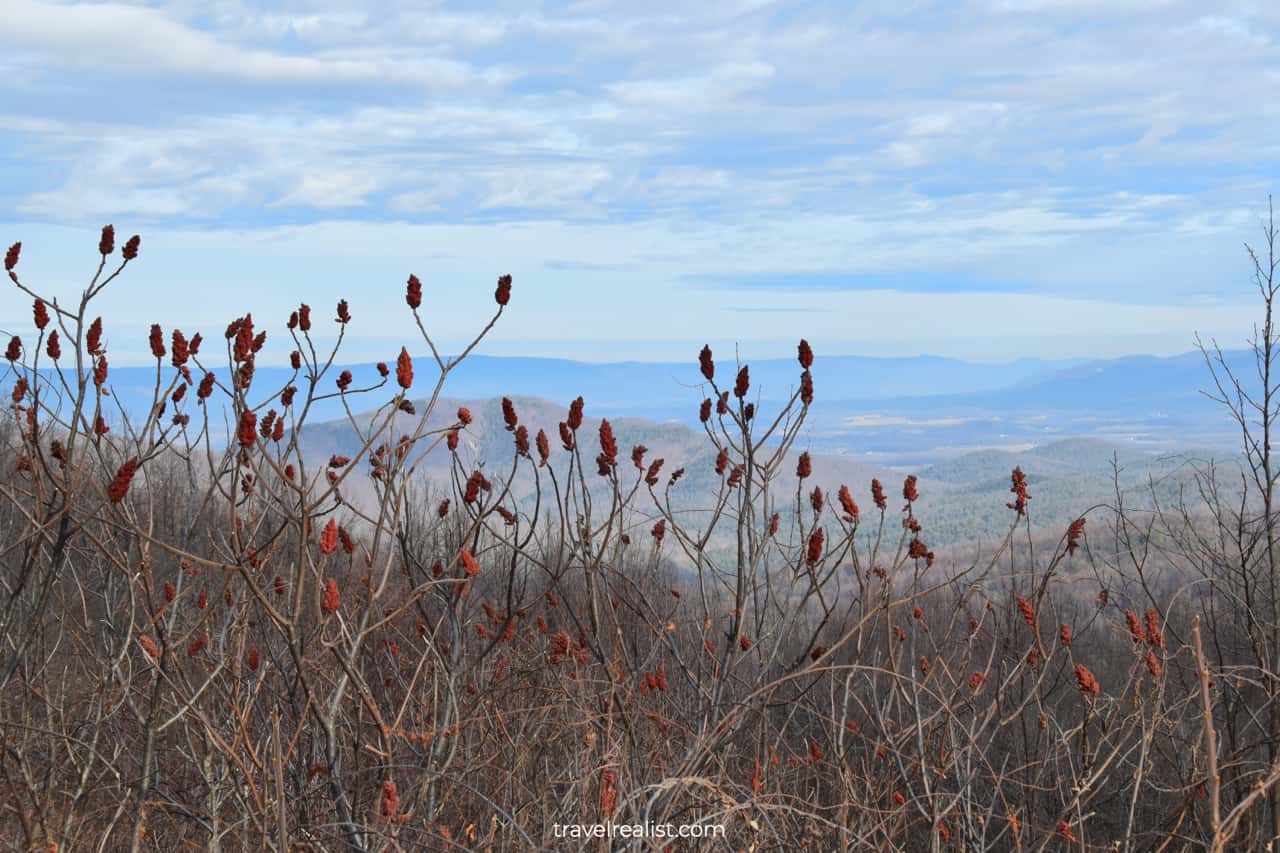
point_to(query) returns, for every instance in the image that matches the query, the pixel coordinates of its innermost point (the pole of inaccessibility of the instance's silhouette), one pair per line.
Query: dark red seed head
(877, 494)
(909, 489)
(180, 347)
(93, 338)
(332, 598)
(847, 504)
(1019, 490)
(1087, 682)
(120, 483)
(805, 466)
(247, 433)
(404, 369)
(1074, 532)
(814, 553)
(706, 364)
(157, 341)
(805, 354)
(608, 445)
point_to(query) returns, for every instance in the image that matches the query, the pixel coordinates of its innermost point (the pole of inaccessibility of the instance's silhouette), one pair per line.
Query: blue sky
(989, 179)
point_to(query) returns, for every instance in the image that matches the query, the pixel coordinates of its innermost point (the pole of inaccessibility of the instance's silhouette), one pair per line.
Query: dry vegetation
(208, 648)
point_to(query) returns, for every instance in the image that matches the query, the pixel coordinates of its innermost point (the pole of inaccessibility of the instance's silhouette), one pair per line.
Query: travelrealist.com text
(637, 830)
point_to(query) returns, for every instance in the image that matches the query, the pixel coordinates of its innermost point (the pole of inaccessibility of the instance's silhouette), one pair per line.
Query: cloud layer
(1067, 175)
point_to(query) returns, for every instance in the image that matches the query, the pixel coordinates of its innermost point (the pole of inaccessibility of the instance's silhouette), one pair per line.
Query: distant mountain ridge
(1149, 403)
(891, 412)
(620, 385)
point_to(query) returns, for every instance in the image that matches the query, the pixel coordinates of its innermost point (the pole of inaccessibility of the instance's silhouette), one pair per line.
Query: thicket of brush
(207, 647)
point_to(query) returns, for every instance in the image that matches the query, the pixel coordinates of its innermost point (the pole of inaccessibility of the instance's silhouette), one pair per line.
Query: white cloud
(141, 39)
(1113, 153)
(331, 190)
(713, 90)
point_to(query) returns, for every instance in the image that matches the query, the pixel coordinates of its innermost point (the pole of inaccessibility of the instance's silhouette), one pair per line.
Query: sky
(988, 180)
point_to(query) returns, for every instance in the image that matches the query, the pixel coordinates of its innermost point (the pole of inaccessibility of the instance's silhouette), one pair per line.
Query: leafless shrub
(206, 643)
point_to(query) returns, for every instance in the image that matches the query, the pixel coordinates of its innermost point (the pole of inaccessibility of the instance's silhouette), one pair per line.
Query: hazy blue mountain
(1144, 402)
(623, 385)
(886, 412)
(650, 386)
